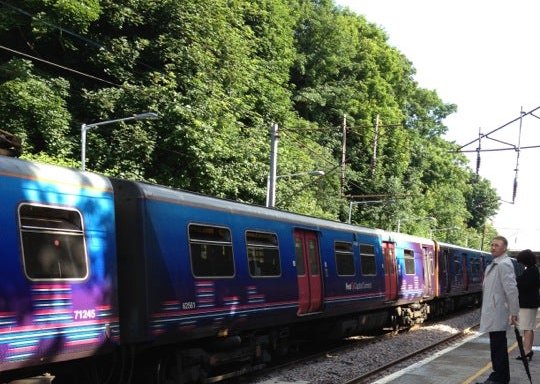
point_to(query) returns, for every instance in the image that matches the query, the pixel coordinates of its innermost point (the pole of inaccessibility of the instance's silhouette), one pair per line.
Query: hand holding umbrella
(524, 357)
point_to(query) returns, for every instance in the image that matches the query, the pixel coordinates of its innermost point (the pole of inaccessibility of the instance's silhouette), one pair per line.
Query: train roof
(70, 179)
(74, 180)
(441, 244)
(192, 199)
(406, 237)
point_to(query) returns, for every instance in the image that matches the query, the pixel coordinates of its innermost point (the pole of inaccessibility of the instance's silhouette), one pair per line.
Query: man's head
(499, 244)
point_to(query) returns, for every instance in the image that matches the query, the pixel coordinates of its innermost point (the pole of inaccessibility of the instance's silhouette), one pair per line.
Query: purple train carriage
(58, 276)
(108, 279)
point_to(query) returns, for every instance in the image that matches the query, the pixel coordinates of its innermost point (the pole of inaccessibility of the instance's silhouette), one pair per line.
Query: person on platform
(529, 299)
(500, 307)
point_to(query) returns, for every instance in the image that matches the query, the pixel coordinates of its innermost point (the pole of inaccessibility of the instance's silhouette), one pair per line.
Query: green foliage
(219, 74)
(72, 14)
(42, 157)
(482, 201)
(35, 108)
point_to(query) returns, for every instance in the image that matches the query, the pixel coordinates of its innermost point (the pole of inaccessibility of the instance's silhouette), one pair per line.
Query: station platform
(468, 363)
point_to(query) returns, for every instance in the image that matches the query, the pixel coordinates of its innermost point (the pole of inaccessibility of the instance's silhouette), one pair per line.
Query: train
(111, 280)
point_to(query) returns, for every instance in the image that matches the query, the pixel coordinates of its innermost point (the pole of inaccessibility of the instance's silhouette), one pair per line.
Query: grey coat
(500, 295)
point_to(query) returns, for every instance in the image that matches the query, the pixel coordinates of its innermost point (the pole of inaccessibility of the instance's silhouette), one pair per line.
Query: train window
(444, 262)
(53, 243)
(211, 251)
(299, 256)
(263, 254)
(344, 258)
(458, 268)
(313, 257)
(409, 262)
(475, 267)
(367, 259)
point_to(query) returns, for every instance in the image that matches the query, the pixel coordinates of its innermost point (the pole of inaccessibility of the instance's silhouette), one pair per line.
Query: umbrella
(524, 357)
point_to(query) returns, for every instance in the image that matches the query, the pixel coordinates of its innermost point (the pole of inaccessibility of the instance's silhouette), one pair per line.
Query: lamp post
(271, 189)
(87, 127)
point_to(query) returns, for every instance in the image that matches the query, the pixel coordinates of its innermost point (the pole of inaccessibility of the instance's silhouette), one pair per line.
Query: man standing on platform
(500, 307)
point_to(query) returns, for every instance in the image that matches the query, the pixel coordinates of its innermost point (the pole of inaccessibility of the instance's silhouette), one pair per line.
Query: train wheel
(394, 323)
(168, 370)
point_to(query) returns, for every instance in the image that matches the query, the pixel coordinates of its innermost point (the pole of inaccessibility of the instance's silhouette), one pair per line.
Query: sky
(483, 56)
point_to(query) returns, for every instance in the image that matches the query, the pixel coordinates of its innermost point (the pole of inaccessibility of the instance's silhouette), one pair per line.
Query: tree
(35, 108)
(482, 201)
(219, 74)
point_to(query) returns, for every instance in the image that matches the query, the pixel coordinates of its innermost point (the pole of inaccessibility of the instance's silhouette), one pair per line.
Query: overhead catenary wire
(315, 180)
(68, 32)
(58, 66)
(64, 30)
(501, 149)
(517, 148)
(523, 114)
(288, 133)
(318, 155)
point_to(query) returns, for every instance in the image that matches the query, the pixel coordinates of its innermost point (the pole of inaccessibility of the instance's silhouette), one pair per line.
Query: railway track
(416, 355)
(362, 359)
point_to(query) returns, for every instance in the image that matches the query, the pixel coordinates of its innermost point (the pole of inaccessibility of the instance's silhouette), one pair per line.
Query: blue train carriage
(461, 272)
(234, 277)
(355, 278)
(414, 285)
(57, 281)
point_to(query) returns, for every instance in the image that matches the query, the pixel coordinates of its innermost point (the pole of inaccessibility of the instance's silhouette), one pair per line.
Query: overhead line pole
(518, 150)
(375, 143)
(343, 148)
(478, 150)
(271, 190)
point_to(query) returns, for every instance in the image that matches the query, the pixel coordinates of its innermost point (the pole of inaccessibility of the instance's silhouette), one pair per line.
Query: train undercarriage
(215, 359)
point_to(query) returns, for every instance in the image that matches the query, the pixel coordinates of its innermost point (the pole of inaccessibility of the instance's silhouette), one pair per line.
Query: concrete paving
(468, 363)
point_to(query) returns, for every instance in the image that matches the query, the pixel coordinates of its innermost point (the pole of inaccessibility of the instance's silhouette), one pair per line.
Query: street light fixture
(87, 127)
(271, 190)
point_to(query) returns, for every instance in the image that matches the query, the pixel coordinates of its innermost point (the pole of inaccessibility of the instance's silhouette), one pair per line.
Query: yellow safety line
(487, 367)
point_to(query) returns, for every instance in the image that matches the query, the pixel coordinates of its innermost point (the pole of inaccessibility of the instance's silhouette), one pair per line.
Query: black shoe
(527, 356)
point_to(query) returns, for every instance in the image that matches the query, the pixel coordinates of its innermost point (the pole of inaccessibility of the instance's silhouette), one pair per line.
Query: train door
(308, 267)
(465, 271)
(445, 270)
(428, 271)
(390, 271)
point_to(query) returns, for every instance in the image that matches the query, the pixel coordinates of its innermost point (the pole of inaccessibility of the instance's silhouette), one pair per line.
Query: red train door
(390, 271)
(308, 267)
